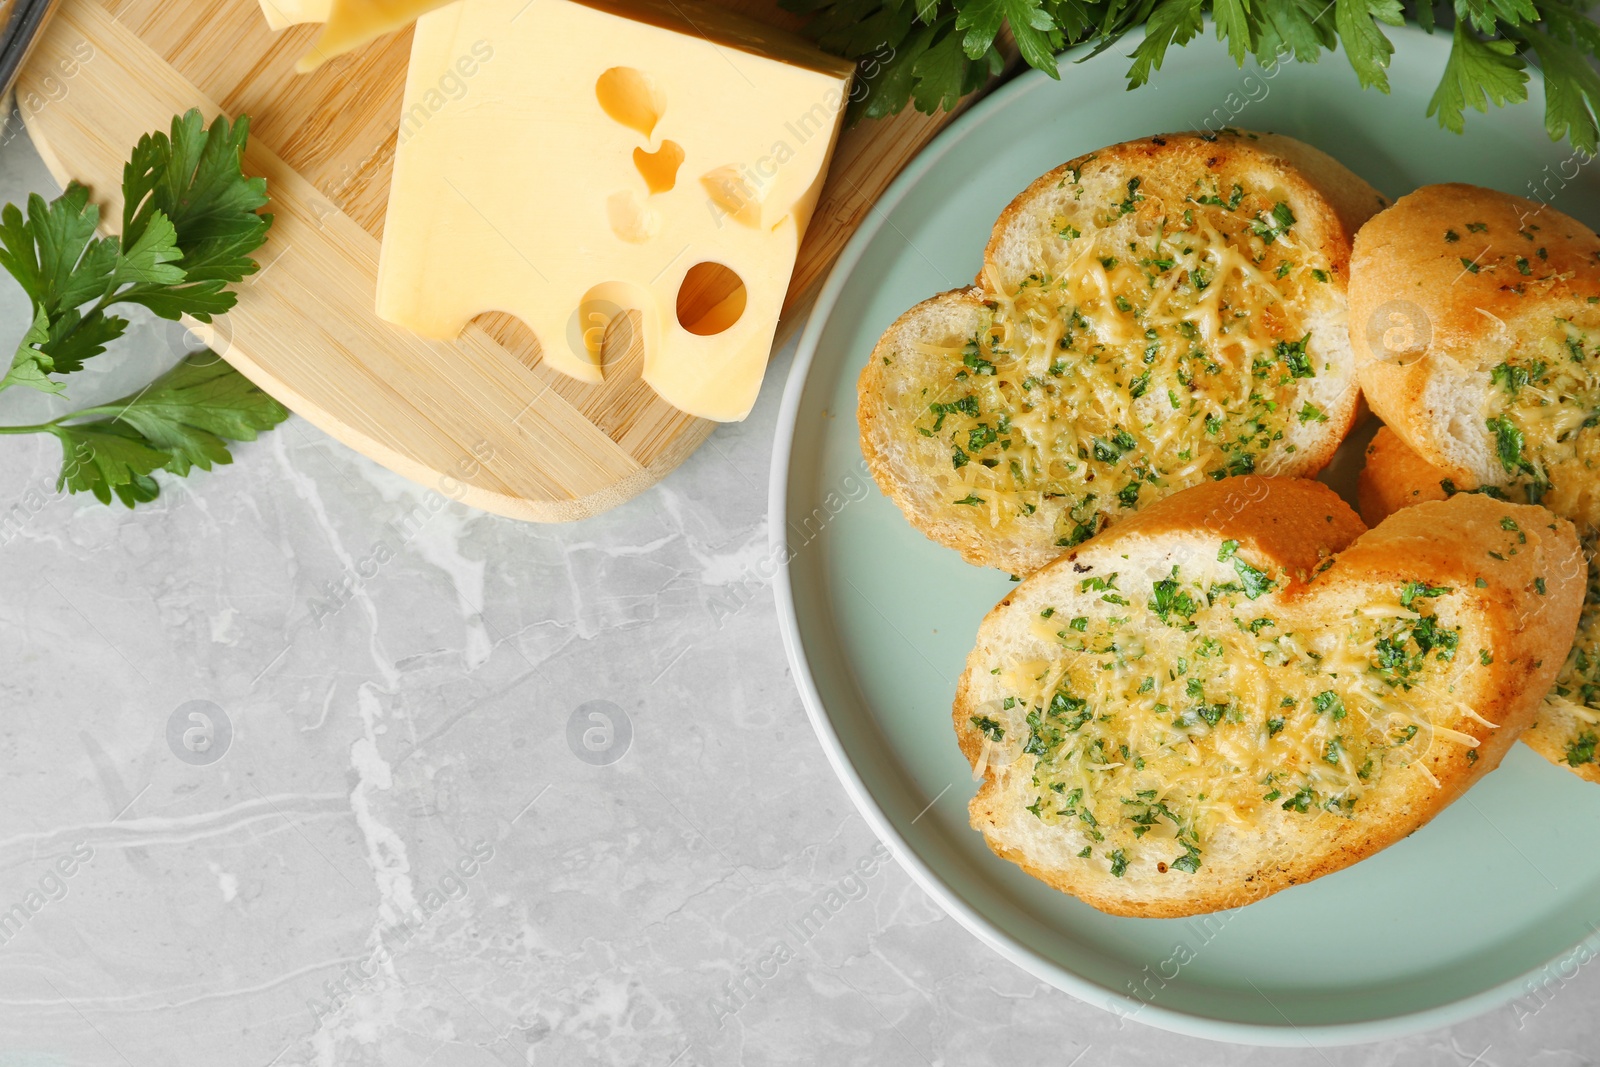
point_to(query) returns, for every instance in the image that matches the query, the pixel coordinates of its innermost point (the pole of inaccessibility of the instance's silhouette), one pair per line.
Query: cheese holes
(631, 219)
(710, 299)
(659, 168)
(631, 98)
(733, 196)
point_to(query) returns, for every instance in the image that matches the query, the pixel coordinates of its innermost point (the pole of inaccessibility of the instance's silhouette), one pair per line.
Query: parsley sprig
(934, 52)
(189, 223)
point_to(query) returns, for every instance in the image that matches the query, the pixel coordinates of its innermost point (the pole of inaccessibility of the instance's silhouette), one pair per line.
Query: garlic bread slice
(1150, 316)
(1240, 689)
(1475, 317)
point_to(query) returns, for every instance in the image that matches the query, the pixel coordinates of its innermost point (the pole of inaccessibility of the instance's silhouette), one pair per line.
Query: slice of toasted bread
(1567, 728)
(1475, 317)
(1148, 317)
(1239, 690)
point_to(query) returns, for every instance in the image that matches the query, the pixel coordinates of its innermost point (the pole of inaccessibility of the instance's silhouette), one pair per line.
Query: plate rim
(1288, 1034)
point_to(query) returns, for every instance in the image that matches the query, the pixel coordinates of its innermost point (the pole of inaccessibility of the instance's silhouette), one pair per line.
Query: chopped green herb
(1255, 582)
(1329, 701)
(1412, 590)
(1269, 227)
(1294, 356)
(1189, 862)
(989, 728)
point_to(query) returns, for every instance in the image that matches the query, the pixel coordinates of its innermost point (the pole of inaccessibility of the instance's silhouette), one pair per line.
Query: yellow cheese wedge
(349, 24)
(566, 163)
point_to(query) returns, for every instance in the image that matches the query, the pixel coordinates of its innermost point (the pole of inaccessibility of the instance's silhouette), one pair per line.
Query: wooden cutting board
(480, 419)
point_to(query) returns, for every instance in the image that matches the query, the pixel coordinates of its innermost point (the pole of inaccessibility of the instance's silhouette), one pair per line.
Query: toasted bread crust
(1395, 477)
(1454, 265)
(1293, 524)
(1330, 204)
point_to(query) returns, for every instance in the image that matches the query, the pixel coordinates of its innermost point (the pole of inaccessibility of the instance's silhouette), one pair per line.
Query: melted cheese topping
(1577, 688)
(1177, 705)
(1542, 410)
(1159, 345)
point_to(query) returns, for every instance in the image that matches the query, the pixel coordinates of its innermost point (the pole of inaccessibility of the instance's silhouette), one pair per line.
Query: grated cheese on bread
(1148, 317)
(1240, 689)
(1566, 730)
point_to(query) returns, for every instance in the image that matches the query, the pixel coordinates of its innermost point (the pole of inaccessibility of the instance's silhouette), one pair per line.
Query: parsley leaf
(1572, 88)
(31, 366)
(934, 52)
(104, 457)
(936, 70)
(1365, 45)
(190, 184)
(989, 728)
(180, 421)
(1173, 22)
(53, 253)
(1477, 74)
(190, 222)
(59, 263)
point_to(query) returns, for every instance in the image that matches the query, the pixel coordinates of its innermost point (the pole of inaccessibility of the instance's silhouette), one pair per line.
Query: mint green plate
(1490, 898)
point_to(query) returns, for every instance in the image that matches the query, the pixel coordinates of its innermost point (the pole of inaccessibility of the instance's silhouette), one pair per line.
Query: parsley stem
(114, 410)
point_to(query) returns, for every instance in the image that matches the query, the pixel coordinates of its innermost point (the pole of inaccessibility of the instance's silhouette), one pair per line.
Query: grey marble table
(411, 841)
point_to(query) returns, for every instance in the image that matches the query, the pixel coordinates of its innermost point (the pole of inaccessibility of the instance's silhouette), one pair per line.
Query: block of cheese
(567, 163)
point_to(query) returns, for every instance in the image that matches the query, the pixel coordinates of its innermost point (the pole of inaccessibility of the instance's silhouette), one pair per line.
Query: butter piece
(567, 163)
